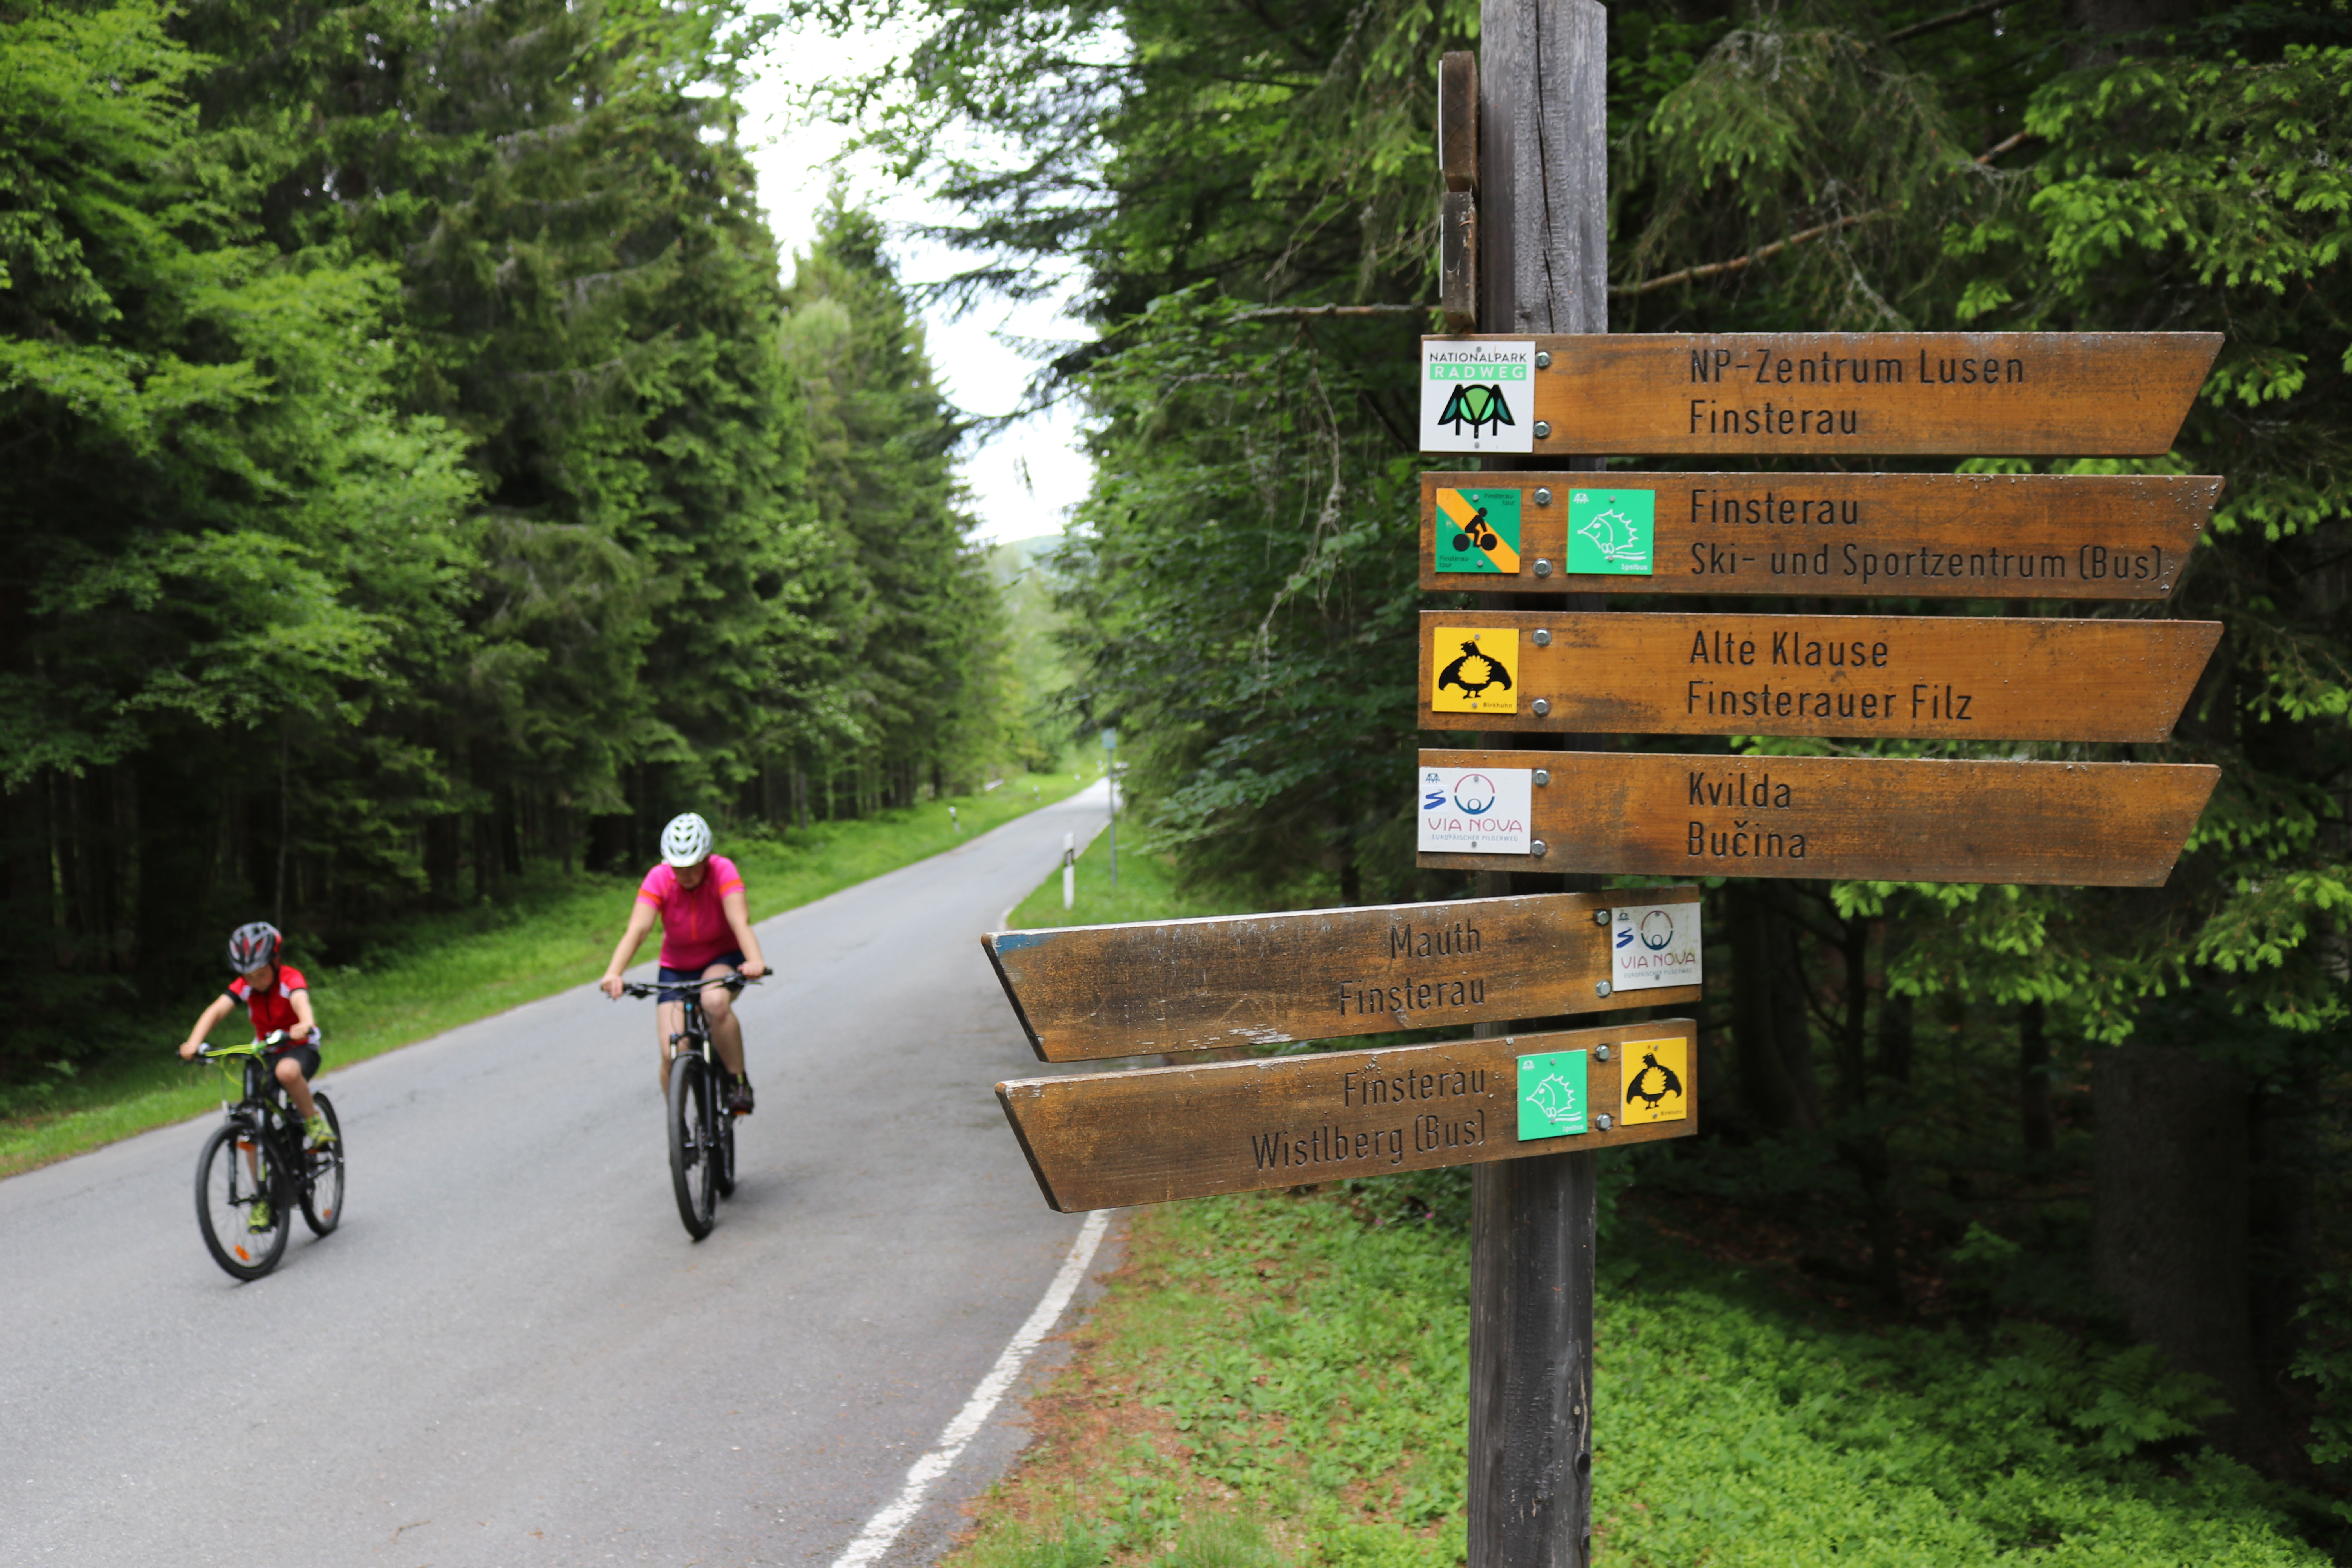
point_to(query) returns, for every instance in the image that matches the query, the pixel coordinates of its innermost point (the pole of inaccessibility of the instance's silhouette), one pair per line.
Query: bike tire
(225, 1193)
(724, 1119)
(693, 1173)
(322, 1184)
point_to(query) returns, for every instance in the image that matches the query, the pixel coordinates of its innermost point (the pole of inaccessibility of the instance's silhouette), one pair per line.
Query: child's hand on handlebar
(610, 986)
(188, 1050)
(753, 971)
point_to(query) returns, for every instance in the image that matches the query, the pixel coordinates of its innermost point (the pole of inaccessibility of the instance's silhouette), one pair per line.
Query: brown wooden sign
(1982, 394)
(1083, 993)
(1111, 1139)
(1899, 819)
(1976, 536)
(1956, 677)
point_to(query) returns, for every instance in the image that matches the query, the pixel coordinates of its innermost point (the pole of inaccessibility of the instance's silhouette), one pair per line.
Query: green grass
(1146, 891)
(1279, 1379)
(445, 970)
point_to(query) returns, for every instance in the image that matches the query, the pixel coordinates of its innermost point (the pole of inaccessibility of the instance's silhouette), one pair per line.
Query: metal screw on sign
(1601, 989)
(1538, 849)
(1543, 567)
(1541, 706)
(1543, 495)
(1599, 916)
(1543, 429)
(1600, 1053)
(1606, 1121)
(1543, 777)
(1543, 636)
(1543, 359)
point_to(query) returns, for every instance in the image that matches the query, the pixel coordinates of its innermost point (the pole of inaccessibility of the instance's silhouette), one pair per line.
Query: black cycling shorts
(689, 976)
(307, 1056)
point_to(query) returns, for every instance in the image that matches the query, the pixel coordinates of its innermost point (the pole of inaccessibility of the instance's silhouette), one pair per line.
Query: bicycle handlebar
(734, 981)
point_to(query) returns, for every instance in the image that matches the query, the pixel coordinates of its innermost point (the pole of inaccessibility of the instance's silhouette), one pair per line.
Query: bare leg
(669, 1018)
(726, 1029)
(298, 1087)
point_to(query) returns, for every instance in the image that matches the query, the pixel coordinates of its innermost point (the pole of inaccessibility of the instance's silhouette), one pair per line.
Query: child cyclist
(277, 998)
(706, 934)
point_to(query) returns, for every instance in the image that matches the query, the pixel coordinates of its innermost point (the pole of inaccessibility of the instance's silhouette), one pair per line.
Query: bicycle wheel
(236, 1171)
(723, 1119)
(322, 1184)
(693, 1171)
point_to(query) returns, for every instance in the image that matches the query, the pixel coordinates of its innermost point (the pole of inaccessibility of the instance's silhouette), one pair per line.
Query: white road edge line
(884, 1527)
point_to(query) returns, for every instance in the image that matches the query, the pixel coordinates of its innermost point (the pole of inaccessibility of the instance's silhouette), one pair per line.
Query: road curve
(511, 1352)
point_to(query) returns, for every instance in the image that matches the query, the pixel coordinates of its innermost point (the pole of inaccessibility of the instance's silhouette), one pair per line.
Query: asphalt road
(511, 1352)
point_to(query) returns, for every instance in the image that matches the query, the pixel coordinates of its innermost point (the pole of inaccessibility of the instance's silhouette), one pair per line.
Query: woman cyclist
(278, 1000)
(706, 934)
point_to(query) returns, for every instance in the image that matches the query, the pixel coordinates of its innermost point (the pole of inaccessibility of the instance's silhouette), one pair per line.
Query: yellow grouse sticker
(1657, 1081)
(1477, 669)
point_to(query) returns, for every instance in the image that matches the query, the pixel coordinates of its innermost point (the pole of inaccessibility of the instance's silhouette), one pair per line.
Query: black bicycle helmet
(251, 946)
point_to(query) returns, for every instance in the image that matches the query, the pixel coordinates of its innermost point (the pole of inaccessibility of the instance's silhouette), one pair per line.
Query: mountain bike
(257, 1166)
(701, 1127)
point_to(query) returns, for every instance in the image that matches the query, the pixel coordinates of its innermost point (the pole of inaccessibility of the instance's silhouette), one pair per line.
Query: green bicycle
(257, 1166)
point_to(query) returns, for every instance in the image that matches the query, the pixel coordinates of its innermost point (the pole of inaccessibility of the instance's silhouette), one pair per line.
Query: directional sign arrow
(1977, 536)
(1979, 393)
(1966, 678)
(2117, 825)
(1114, 1139)
(1083, 993)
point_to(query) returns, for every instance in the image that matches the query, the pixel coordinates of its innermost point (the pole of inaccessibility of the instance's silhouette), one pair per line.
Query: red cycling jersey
(273, 1008)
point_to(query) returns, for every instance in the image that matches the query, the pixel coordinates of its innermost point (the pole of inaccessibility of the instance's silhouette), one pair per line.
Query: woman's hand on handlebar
(188, 1050)
(610, 986)
(752, 970)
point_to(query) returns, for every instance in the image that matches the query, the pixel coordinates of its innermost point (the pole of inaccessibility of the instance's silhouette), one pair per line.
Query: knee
(715, 1006)
(290, 1071)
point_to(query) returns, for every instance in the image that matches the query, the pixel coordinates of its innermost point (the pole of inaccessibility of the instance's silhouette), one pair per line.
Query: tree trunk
(2037, 1117)
(2169, 1180)
(1770, 1032)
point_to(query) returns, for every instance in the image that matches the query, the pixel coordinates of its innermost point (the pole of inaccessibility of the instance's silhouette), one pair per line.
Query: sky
(1021, 481)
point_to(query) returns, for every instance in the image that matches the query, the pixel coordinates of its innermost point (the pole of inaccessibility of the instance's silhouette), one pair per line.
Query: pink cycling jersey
(694, 925)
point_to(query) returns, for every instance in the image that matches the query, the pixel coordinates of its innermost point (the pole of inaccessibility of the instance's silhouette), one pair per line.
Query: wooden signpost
(1979, 536)
(1523, 237)
(1112, 1139)
(1954, 677)
(1897, 819)
(1083, 993)
(2078, 395)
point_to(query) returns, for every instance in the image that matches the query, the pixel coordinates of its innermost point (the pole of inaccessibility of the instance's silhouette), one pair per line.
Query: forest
(420, 468)
(2121, 1115)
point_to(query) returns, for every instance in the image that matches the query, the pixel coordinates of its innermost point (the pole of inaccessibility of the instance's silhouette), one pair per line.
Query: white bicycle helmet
(687, 840)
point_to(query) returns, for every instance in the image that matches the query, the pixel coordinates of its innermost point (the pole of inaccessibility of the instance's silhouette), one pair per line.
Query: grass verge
(1147, 891)
(1275, 1379)
(445, 970)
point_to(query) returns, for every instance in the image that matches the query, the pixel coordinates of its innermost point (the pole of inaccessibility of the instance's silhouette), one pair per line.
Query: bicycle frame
(263, 1103)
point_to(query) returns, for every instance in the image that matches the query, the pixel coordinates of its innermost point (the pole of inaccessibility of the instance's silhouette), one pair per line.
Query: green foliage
(419, 474)
(1313, 1363)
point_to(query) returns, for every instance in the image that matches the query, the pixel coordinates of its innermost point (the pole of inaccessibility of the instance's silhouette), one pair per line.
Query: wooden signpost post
(1523, 236)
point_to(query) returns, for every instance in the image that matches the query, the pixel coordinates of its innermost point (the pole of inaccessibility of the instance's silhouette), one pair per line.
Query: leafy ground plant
(453, 969)
(1281, 1379)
